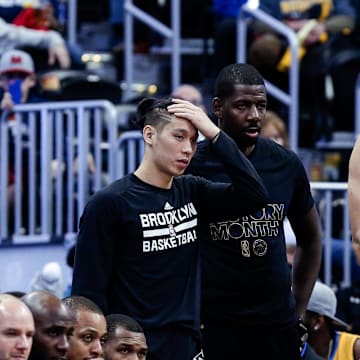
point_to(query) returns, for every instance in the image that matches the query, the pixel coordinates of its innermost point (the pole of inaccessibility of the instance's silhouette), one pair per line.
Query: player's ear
(148, 134)
(217, 107)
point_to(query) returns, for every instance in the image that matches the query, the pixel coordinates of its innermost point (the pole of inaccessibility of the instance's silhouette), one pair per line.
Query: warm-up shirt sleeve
(94, 249)
(246, 192)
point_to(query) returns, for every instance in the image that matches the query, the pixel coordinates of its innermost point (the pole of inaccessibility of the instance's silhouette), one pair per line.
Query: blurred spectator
(190, 93)
(324, 334)
(49, 279)
(12, 36)
(17, 82)
(324, 27)
(125, 338)
(273, 127)
(16, 328)
(17, 78)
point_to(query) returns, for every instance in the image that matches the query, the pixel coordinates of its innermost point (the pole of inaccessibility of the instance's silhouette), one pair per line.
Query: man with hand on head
(16, 328)
(137, 250)
(125, 339)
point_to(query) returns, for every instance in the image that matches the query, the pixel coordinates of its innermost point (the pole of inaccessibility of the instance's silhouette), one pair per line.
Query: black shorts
(172, 344)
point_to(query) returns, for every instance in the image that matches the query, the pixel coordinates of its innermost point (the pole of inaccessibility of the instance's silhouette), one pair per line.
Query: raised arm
(247, 187)
(354, 198)
(12, 36)
(196, 116)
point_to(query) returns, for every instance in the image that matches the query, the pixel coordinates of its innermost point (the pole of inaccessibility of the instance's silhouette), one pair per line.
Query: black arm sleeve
(246, 193)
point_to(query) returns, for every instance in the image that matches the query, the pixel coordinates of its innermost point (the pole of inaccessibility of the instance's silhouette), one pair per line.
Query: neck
(322, 344)
(151, 175)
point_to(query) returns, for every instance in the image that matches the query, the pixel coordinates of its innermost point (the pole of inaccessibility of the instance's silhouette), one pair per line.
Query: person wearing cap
(17, 78)
(327, 334)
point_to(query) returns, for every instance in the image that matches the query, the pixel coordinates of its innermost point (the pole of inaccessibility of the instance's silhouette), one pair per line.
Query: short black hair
(16, 293)
(243, 74)
(81, 303)
(120, 320)
(151, 111)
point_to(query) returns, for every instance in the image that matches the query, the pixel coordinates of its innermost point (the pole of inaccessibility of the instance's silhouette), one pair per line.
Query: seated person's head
(17, 74)
(320, 316)
(53, 325)
(89, 329)
(190, 93)
(16, 328)
(125, 339)
(274, 128)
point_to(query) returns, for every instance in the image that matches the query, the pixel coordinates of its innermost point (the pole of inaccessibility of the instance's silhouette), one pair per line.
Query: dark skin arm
(357, 349)
(307, 258)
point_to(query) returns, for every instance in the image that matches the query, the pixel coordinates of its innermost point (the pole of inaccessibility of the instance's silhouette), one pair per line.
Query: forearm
(306, 268)
(244, 177)
(337, 23)
(15, 36)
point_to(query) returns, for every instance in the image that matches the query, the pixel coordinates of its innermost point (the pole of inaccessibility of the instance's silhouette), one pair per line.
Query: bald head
(190, 93)
(54, 325)
(16, 328)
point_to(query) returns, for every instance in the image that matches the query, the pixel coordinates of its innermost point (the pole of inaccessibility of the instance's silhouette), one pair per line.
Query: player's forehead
(124, 336)
(181, 125)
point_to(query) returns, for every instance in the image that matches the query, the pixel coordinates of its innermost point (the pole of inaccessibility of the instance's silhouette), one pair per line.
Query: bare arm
(307, 257)
(357, 349)
(12, 36)
(354, 198)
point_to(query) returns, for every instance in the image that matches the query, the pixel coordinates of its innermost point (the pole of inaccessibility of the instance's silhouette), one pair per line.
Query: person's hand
(315, 34)
(59, 53)
(196, 116)
(7, 102)
(303, 333)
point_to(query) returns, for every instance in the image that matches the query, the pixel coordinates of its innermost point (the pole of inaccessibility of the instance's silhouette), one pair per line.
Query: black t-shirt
(245, 275)
(137, 251)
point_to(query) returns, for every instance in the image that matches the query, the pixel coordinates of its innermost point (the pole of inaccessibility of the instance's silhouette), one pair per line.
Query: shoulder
(112, 191)
(269, 152)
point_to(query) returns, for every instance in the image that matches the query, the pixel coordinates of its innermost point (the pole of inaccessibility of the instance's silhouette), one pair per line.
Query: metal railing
(290, 99)
(59, 154)
(172, 33)
(61, 135)
(327, 195)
